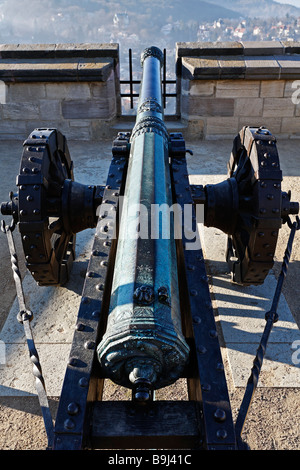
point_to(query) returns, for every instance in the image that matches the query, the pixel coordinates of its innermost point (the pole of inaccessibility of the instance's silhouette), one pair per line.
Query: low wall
(73, 87)
(224, 86)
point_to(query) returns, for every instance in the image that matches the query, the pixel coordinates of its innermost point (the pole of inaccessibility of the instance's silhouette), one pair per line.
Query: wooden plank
(159, 425)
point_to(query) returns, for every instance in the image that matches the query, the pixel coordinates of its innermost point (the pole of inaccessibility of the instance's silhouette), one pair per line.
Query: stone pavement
(239, 311)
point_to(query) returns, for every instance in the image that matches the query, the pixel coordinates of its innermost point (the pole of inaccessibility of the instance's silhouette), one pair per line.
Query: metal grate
(131, 82)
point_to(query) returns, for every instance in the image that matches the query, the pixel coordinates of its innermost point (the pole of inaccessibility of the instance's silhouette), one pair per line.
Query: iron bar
(131, 94)
(25, 316)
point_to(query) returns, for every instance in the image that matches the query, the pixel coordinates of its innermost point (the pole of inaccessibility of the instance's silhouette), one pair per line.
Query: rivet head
(219, 415)
(80, 327)
(221, 433)
(89, 344)
(73, 408)
(213, 334)
(69, 424)
(201, 349)
(194, 292)
(197, 320)
(83, 382)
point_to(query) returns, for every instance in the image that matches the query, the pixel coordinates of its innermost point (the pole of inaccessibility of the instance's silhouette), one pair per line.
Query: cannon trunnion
(146, 317)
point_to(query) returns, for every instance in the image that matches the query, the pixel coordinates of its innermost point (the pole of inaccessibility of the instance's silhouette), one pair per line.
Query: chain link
(25, 316)
(271, 317)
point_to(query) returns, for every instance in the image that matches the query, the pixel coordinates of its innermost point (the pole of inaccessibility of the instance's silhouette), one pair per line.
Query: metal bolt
(83, 382)
(219, 415)
(73, 408)
(69, 424)
(221, 433)
(89, 344)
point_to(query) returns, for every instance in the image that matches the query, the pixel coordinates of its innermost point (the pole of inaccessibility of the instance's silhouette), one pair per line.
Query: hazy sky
(296, 3)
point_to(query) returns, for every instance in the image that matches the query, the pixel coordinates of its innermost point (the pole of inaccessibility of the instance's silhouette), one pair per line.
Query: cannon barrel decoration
(145, 318)
(143, 345)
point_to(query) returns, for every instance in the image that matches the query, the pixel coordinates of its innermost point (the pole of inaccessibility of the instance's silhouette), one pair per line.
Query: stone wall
(224, 86)
(73, 87)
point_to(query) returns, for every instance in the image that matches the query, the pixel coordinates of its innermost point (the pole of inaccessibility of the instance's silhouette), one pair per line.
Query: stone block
(89, 109)
(198, 87)
(68, 90)
(292, 90)
(13, 129)
(20, 111)
(200, 68)
(282, 107)
(43, 70)
(95, 69)
(261, 48)
(103, 89)
(290, 126)
(289, 66)
(232, 67)
(222, 126)
(50, 109)
(272, 88)
(273, 124)
(248, 107)
(261, 67)
(198, 106)
(198, 49)
(25, 92)
(238, 89)
(87, 50)
(291, 47)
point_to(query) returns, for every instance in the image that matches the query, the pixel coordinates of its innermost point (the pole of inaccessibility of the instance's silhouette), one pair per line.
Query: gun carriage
(146, 317)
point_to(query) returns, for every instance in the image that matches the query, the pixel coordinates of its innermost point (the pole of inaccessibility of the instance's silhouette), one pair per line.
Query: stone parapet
(224, 86)
(72, 87)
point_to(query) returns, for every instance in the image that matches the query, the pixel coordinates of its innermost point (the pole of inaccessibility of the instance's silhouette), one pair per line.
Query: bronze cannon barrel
(143, 347)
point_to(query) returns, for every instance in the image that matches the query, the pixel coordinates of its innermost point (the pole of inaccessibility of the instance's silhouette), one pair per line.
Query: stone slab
(262, 48)
(185, 49)
(64, 69)
(260, 67)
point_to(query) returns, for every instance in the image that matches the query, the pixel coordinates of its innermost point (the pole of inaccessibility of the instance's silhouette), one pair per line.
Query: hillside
(258, 8)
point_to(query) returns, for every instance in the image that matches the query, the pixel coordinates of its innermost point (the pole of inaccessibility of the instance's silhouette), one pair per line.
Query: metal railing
(131, 82)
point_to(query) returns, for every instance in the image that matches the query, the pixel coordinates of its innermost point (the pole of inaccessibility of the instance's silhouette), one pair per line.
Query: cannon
(145, 318)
